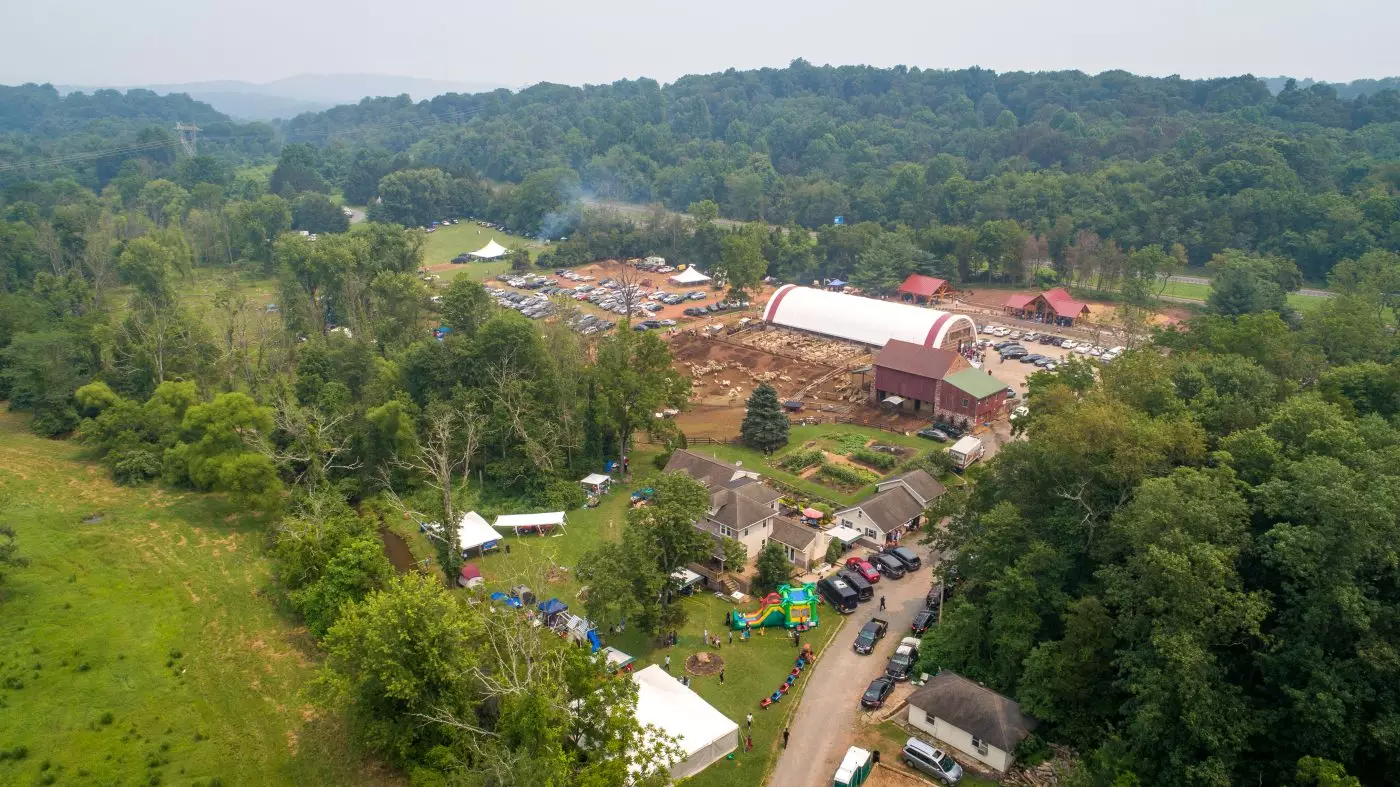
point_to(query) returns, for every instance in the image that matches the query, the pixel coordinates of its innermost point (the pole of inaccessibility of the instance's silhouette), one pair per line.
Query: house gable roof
(1020, 301)
(891, 508)
(713, 473)
(755, 490)
(786, 531)
(930, 362)
(975, 383)
(1063, 303)
(732, 509)
(975, 709)
(924, 486)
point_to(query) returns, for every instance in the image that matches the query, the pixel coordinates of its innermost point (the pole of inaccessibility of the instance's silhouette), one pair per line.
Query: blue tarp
(593, 642)
(553, 606)
(836, 283)
(510, 601)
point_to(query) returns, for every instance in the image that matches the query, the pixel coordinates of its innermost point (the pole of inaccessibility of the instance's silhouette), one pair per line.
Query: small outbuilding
(971, 718)
(1052, 307)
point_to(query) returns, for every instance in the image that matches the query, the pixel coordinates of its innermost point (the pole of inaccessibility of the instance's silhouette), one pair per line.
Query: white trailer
(966, 451)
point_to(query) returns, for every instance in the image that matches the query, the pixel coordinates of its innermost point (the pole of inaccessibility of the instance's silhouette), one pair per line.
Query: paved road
(825, 724)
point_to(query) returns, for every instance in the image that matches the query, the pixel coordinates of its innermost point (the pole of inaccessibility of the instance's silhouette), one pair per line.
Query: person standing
(748, 743)
(721, 675)
(707, 636)
(882, 603)
(668, 662)
(731, 636)
(750, 721)
(785, 737)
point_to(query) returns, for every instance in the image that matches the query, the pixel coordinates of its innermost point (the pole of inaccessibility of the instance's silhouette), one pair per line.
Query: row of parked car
(533, 306)
(1022, 338)
(715, 308)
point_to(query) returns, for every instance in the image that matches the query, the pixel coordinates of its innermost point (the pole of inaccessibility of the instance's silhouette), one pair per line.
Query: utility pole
(189, 133)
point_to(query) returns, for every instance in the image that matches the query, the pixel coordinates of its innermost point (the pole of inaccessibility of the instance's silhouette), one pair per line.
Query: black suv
(887, 565)
(923, 622)
(906, 557)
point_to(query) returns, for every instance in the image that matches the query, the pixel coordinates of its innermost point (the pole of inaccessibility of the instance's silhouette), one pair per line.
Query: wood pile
(1047, 774)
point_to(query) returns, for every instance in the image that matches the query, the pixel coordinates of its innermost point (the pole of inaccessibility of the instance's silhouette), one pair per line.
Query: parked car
(923, 621)
(864, 590)
(931, 433)
(887, 565)
(906, 557)
(1069, 344)
(934, 598)
(926, 759)
(1032, 358)
(901, 664)
(873, 631)
(839, 595)
(1014, 353)
(877, 692)
(1048, 339)
(863, 567)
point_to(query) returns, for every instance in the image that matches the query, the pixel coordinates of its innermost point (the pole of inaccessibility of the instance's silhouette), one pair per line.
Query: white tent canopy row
(473, 533)
(517, 521)
(690, 276)
(490, 251)
(703, 733)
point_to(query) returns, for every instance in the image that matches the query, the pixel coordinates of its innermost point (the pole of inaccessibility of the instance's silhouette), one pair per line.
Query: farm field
(141, 645)
(447, 242)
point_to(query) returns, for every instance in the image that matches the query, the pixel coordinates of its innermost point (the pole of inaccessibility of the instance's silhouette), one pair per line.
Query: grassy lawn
(145, 644)
(800, 435)
(447, 242)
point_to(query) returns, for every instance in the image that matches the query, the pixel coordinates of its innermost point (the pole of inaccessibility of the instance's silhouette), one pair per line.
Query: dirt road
(824, 726)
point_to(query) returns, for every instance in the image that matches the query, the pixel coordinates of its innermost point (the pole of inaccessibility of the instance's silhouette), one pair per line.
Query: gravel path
(825, 723)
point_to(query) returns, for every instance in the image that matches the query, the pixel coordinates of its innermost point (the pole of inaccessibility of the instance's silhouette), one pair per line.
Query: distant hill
(1345, 90)
(285, 98)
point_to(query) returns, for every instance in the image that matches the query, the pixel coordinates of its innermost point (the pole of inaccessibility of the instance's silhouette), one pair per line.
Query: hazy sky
(519, 42)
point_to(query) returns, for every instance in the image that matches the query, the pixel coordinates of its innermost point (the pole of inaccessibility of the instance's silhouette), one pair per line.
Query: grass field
(753, 669)
(144, 647)
(447, 242)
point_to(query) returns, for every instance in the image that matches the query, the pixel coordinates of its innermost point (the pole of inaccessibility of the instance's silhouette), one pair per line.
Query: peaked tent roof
(975, 383)
(919, 284)
(702, 732)
(689, 276)
(490, 251)
(902, 356)
(472, 531)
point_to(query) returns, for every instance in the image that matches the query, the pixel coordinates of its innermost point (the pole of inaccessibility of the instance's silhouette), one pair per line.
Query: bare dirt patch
(704, 664)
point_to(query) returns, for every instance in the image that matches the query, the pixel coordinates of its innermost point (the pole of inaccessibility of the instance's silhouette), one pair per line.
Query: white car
(1020, 412)
(1014, 335)
(1069, 344)
(989, 329)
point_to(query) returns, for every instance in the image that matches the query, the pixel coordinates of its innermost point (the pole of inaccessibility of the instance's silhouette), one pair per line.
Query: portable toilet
(855, 768)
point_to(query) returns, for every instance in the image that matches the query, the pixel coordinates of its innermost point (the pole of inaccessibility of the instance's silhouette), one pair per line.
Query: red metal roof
(926, 286)
(1019, 301)
(1063, 303)
(916, 359)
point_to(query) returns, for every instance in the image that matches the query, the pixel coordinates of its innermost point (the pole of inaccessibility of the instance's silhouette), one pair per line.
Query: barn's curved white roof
(858, 319)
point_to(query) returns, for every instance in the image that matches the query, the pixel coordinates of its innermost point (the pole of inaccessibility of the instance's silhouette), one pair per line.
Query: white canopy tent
(595, 482)
(490, 251)
(685, 577)
(846, 535)
(517, 522)
(703, 733)
(689, 276)
(474, 533)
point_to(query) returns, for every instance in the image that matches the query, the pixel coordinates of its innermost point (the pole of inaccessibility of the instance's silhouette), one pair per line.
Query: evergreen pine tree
(765, 426)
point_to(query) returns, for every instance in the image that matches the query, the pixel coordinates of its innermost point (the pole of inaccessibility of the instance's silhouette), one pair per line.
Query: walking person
(707, 636)
(882, 603)
(748, 743)
(721, 676)
(731, 636)
(668, 662)
(785, 737)
(750, 720)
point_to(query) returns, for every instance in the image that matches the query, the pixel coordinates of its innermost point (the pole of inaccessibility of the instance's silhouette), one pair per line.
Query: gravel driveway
(825, 724)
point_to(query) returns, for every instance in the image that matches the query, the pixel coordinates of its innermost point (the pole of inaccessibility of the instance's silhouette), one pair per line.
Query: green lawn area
(146, 644)
(444, 243)
(797, 437)
(753, 670)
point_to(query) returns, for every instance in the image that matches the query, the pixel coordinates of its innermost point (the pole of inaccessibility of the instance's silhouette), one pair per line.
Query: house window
(791, 554)
(980, 745)
(965, 403)
(727, 531)
(870, 531)
(745, 533)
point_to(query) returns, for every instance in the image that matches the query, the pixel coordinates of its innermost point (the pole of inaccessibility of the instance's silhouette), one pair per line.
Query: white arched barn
(866, 320)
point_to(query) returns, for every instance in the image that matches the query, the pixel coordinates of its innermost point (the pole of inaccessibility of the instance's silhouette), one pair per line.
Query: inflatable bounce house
(793, 607)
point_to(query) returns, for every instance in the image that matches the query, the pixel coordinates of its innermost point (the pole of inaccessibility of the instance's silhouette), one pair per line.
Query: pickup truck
(905, 656)
(869, 634)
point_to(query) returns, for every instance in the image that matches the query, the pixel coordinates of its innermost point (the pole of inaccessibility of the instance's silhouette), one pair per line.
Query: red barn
(971, 394)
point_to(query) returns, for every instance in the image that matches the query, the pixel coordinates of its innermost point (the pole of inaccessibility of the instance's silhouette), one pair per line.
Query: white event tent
(490, 251)
(518, 521)
(689, 276)
(474, 533)
(703, 733)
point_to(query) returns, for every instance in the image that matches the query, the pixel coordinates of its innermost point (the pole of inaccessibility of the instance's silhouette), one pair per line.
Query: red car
(862, 567)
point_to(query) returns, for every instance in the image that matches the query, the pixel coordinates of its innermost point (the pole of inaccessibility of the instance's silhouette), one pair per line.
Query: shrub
(797, 461)
(874, 458)
(134, 466)
(849, 476)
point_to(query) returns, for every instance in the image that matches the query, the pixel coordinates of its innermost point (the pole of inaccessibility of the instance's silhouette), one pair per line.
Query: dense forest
(1188, 569)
